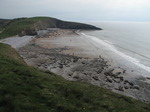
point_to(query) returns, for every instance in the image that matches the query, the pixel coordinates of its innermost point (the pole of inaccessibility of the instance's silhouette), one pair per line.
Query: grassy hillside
(16, 26)
(26, 89)
(3, 22)
(28, 26)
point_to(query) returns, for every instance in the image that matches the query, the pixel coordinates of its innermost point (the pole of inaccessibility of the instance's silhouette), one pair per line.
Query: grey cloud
(77, 9)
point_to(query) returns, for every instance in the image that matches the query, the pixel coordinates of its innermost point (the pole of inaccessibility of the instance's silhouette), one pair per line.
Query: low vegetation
(27, 89)
(16, 26)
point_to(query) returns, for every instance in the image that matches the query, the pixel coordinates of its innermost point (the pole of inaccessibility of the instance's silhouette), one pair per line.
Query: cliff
(29, 26)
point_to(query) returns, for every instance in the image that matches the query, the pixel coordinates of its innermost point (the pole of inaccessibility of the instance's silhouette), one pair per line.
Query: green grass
(17, 26)
(1, 29)
(26, 89)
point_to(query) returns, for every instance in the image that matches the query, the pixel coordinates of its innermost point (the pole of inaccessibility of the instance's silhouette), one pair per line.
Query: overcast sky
(78, 10)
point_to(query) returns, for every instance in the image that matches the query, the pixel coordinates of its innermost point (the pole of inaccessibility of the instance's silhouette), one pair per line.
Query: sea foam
(110, 46)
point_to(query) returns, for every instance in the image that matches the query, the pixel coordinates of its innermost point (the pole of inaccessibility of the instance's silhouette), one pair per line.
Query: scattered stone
(95, 77)
(124, 71)
(60, 66)
(75, 60)
(44, 66)
(126, 87)
(131, 83)
(109, 79)
(67, 65)
(148, 78)
(118, 73)
(38, 64)
(85, 73)
(121, 78)
(76, 77)
(99, 71)
(115, 75)
(145, 101)
(117, 80)
(83, 62)
(107, 73)
(135, 87)
(120, 88)
(69, 74)
(126, 81)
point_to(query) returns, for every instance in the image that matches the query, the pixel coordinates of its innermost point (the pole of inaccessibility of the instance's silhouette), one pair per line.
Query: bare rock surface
(91, 70)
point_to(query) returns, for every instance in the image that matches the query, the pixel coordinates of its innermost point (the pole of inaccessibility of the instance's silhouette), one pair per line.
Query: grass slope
(26, 89)
(3, 22)
(16, 26)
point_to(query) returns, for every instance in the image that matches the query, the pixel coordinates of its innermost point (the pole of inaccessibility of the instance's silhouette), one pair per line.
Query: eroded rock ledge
(95, 71)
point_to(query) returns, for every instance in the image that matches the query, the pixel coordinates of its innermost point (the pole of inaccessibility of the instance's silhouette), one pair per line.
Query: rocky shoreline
(96, 71)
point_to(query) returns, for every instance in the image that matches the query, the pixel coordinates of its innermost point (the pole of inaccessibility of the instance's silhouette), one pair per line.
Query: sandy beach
(73, 56)
(16, 41)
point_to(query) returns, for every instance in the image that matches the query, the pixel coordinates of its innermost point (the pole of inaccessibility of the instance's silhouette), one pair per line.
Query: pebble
(95, 77)
(109, 79)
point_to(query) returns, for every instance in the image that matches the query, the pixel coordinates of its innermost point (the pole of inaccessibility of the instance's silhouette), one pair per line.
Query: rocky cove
(66, 61)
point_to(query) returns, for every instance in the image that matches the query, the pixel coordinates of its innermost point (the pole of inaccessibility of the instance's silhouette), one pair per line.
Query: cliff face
(55, 23)
(28, 31)
(29, 26)
(74, 25)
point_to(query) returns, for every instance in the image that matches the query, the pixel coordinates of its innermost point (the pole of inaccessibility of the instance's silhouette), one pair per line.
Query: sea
(126, 43)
